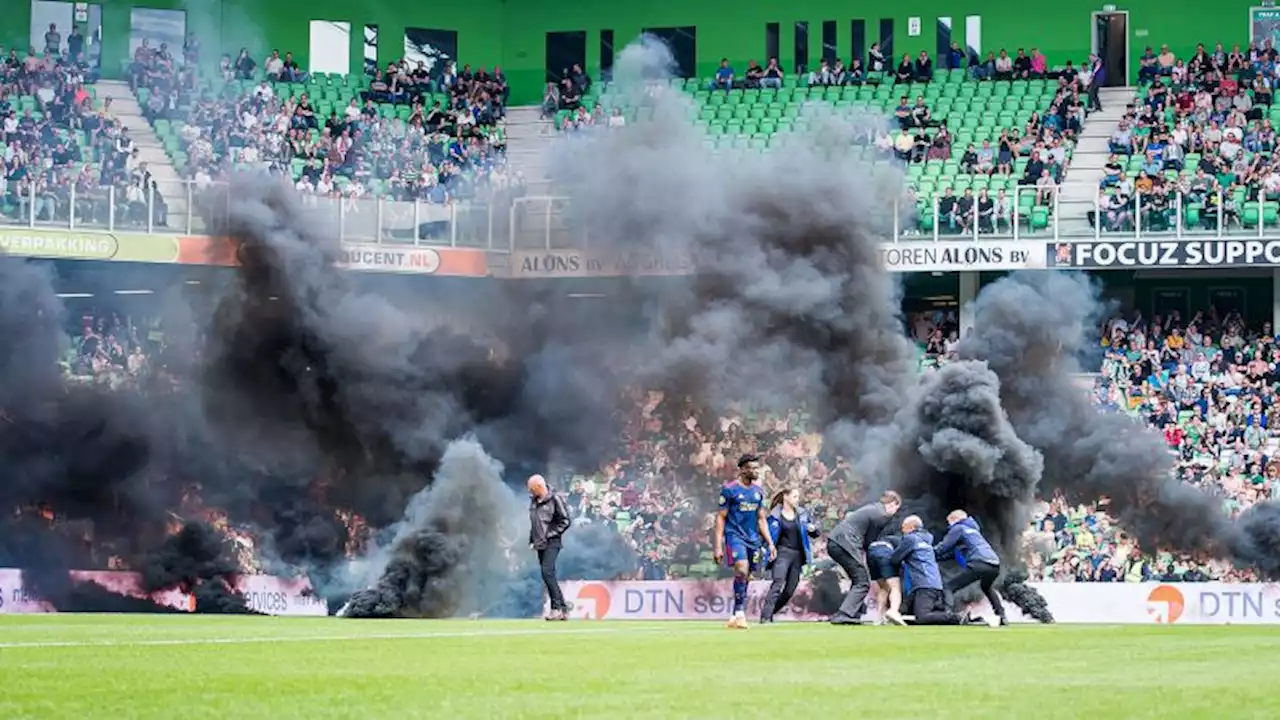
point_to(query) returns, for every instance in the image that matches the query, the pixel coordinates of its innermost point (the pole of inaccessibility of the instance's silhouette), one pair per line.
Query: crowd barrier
(263, 593)
(1072, 603)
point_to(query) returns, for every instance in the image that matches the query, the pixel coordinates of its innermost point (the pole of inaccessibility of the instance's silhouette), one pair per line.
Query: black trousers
(547, 562)
(855, 566)
(786, 577)
(985, 575)
(929, 607)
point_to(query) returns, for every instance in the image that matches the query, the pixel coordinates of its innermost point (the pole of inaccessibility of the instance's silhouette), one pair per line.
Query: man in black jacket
(847, 545)
(548, 521)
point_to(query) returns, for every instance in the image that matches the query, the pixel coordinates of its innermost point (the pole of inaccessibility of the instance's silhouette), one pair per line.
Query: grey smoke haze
(448, 548)
(1030, 328)
(789, 304)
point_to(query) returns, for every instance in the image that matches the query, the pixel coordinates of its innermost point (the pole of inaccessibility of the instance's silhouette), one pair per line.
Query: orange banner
(455, 262)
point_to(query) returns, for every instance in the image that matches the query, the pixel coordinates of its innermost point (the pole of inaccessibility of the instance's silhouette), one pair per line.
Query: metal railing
(502, 224)
(1027, 212)
(185, 208)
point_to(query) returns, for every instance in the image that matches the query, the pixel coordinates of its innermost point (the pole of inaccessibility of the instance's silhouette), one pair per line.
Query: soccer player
(741, 527)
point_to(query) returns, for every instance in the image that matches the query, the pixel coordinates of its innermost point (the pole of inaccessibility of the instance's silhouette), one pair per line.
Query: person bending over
(978, 561)
(915, 556)
(741, 528)
(847, 545)
(790, 528)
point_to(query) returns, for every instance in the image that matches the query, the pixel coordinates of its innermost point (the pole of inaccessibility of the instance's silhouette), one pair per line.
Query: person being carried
(922, 581)
(888, 584)
(978, 561)
(741, 528)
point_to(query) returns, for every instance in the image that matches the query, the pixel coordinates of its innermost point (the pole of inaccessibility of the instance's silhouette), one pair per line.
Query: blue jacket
(914, 555)
(808, 529)
(965, 541)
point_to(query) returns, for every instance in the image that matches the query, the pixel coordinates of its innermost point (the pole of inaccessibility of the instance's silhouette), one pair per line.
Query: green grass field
(78, 666)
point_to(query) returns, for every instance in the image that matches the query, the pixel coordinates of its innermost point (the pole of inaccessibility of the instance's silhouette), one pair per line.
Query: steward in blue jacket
(922, 581)
(978, 561)
(791, 528)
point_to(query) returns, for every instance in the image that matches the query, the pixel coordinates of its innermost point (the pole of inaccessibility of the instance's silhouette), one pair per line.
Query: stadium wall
(1070, 603)
(514, 33)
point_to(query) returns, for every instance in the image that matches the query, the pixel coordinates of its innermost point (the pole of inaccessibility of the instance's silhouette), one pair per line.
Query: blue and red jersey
(742, 504)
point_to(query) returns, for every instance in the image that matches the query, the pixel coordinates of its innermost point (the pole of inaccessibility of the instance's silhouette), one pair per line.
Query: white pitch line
(324, 638)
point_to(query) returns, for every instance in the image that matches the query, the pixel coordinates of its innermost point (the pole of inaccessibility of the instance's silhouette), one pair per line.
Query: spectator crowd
(1198, 137)
(405, 132)
(1207, 382)
(63, 152)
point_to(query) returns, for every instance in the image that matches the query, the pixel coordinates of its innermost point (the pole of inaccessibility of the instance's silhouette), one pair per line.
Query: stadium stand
(64, 153)
(1202, 130)
(964, 141)
(1205, 381)
(395, 134)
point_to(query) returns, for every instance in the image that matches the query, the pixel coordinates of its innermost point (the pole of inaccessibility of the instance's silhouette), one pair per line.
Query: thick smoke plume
(1030, 328)
(448, 542)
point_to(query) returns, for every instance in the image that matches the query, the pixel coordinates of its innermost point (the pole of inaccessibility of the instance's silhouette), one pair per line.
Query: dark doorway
(564, 50)
(802, 48)
(606, 55)
(683, 43)
(1111, 44)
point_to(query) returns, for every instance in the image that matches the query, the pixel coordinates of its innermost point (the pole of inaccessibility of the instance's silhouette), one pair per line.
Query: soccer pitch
(182, 666)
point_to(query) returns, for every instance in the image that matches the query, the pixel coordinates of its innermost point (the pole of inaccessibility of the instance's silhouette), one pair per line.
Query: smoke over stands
(321, 408)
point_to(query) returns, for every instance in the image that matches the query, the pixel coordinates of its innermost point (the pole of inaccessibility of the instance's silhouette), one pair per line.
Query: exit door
(1111, 44)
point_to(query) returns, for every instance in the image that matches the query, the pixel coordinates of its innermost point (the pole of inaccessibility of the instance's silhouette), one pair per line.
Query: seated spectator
(906, 71)
(924, 67)
(724, 76)
(1004, 66)
(754, 75)
(273, 66)
(772, 75)
(1121, 139)
(1022, 66)
(857, 74)
(244, 66)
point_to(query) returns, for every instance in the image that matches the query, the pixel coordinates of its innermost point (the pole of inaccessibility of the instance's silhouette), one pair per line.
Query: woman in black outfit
(791, 528)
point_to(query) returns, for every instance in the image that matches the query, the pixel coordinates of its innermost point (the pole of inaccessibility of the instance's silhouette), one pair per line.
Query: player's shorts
(878, 565)
(736, 549)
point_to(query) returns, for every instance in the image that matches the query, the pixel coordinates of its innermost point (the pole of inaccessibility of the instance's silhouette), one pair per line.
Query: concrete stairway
(124, 106)
(530, 142)
(1080, 187)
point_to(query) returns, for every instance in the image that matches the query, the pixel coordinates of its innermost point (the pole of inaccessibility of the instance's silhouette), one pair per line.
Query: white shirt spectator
(264, 91)
(273, 66)
(353, 111)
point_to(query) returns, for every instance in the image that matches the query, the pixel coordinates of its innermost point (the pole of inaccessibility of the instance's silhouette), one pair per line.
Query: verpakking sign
(1166, 253)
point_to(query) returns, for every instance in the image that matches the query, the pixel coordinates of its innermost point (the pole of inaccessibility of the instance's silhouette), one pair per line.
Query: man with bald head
(921, 578)
(548, 521)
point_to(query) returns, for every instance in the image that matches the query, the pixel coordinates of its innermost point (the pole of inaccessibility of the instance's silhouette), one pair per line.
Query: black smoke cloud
(1030, 328)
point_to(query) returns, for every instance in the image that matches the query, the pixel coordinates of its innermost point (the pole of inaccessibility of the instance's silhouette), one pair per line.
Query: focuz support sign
(1118, 254)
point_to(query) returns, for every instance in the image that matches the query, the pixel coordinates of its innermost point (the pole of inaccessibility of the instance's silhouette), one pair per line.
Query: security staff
(978, 561)
(921, 578)
(847, 546)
